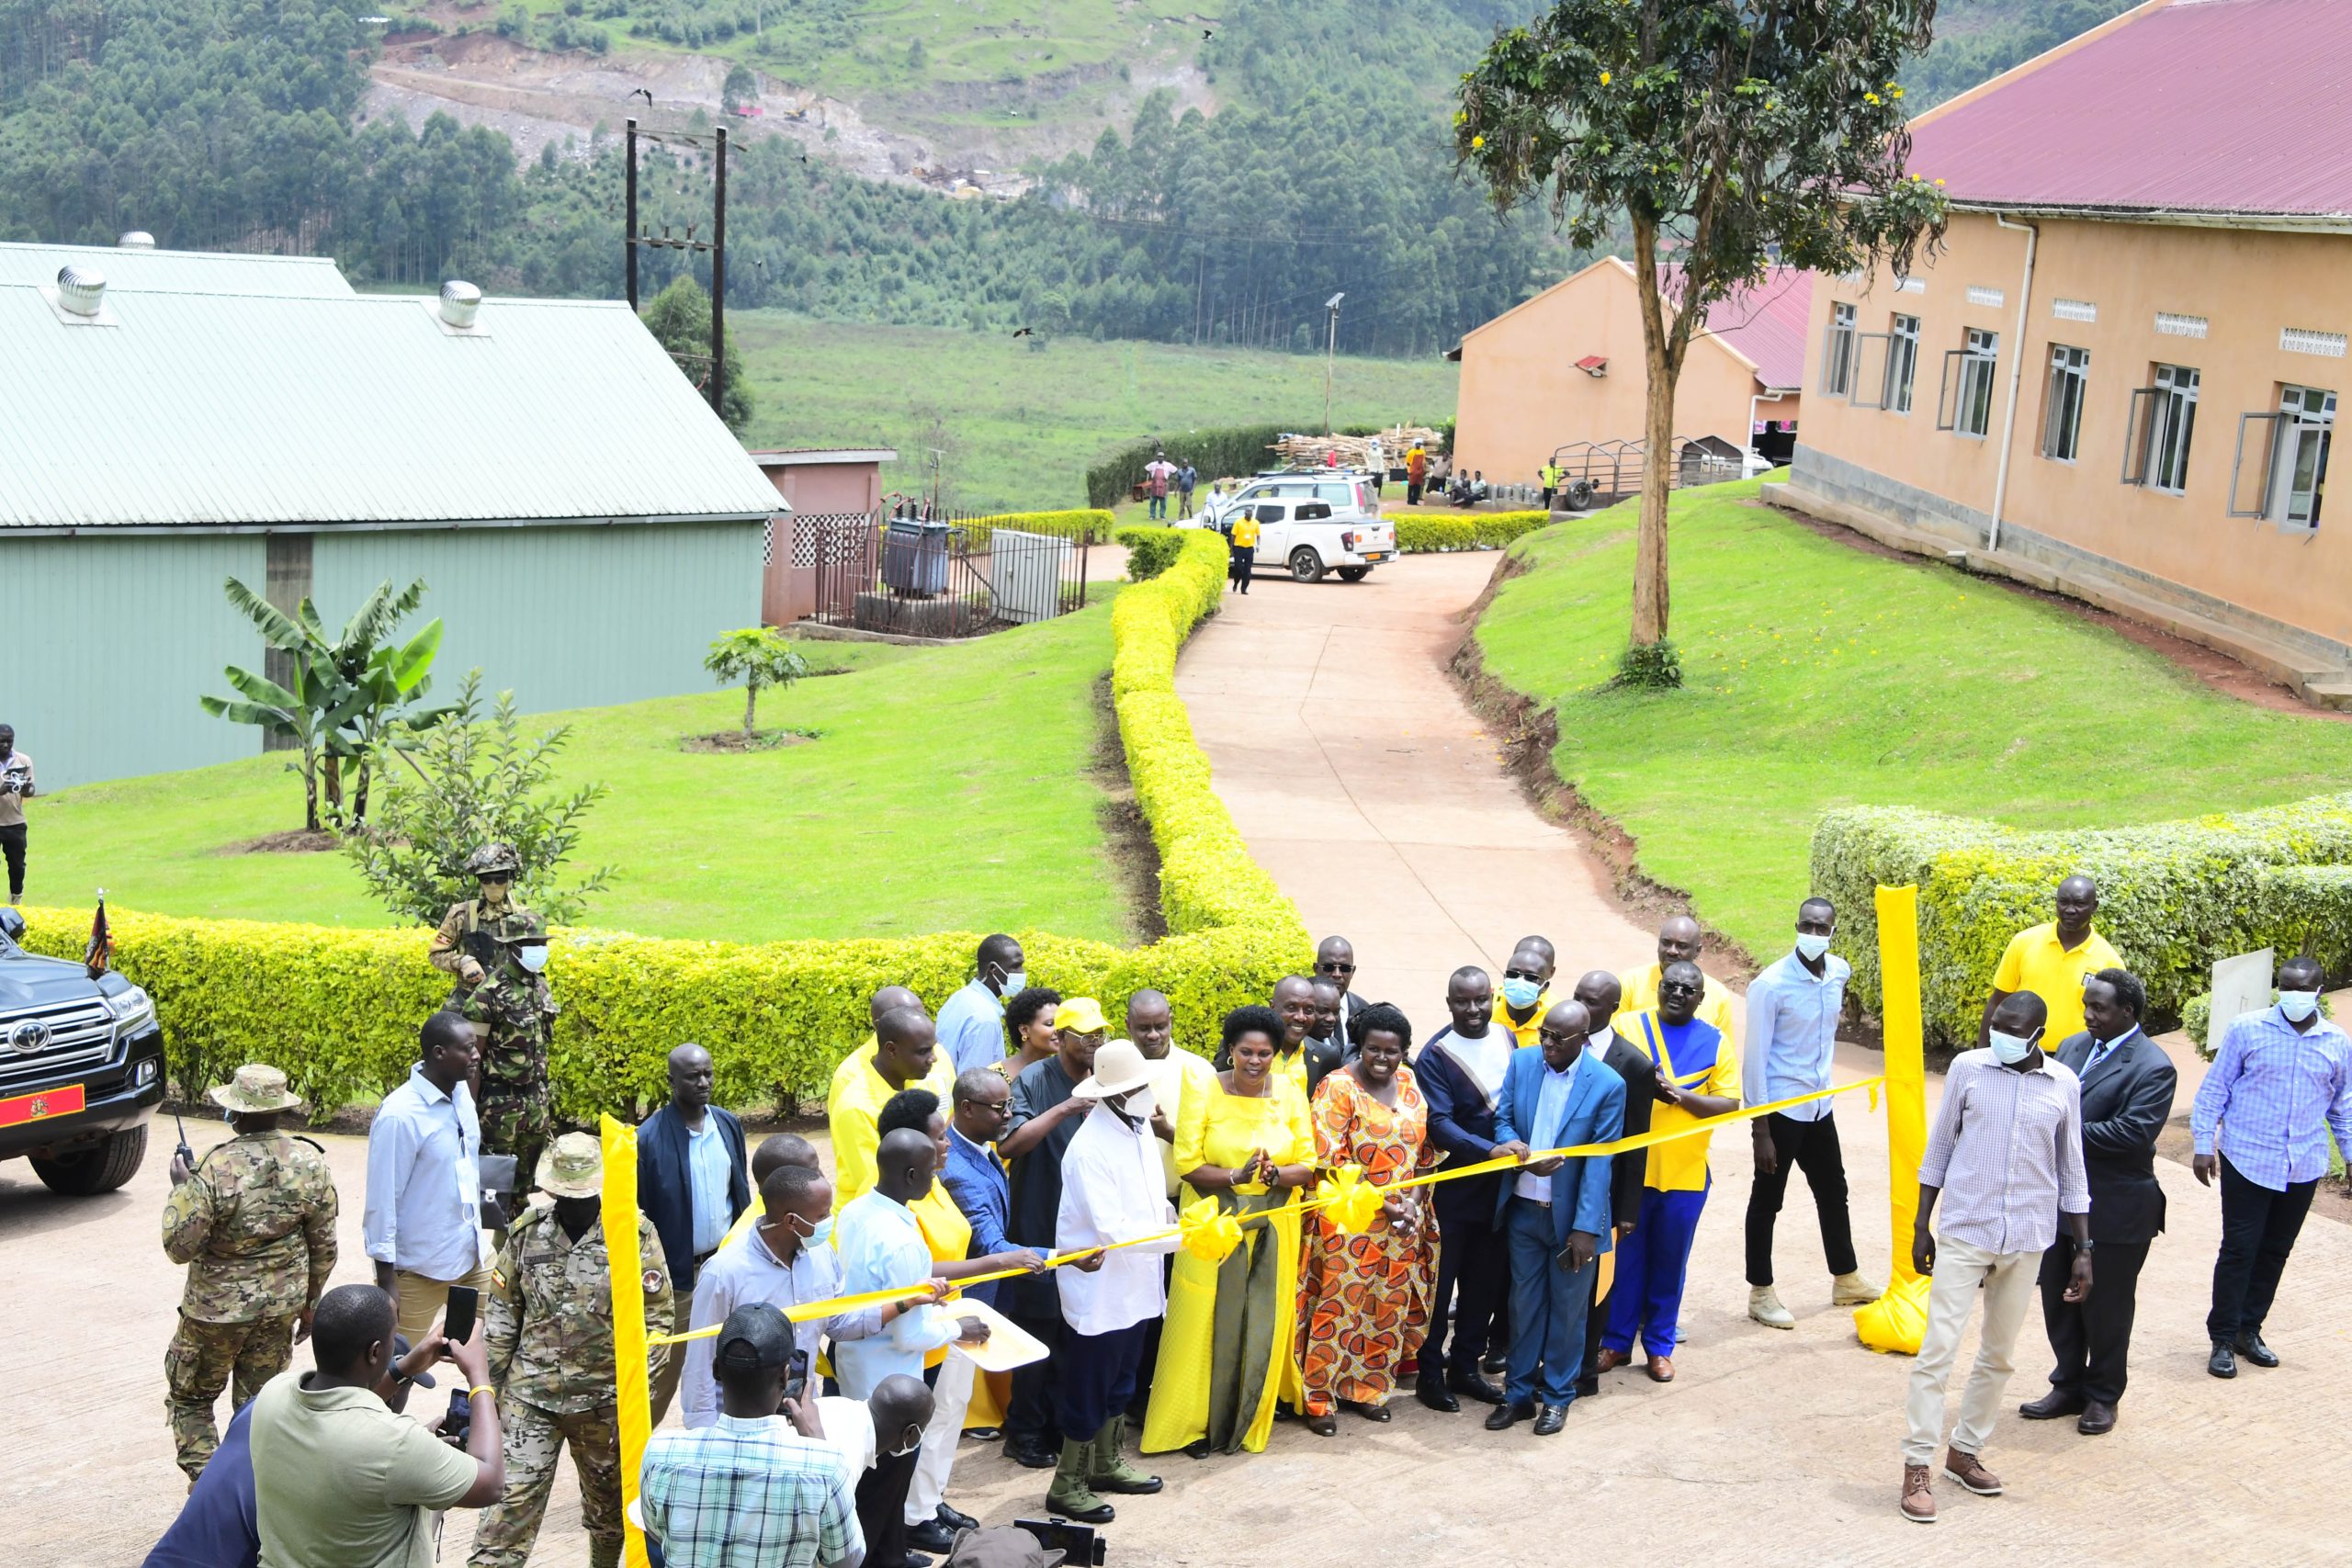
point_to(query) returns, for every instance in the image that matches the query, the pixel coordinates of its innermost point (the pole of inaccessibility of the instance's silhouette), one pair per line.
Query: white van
(1305, 539)
(1346, 491)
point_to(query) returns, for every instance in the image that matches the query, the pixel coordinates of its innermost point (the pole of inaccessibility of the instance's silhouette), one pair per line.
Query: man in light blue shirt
(1792, 1010)
(971, 1026)
(882, 1249)
(423, 1221)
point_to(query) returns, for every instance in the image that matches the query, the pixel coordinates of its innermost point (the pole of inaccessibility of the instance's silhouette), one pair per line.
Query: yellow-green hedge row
(1089, 523)
(1491, 531)
(338, 1009)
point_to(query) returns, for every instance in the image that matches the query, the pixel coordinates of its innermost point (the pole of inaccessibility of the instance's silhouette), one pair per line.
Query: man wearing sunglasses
(1335, 960)
(497, 948)
(1526, 992)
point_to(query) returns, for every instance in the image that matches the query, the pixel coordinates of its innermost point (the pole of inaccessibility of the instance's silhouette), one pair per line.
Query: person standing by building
(549, 1336)
(1112, 1192)
(497, 948)
(971, 1025)
(2005, 1155)
(2127, 1089)
(423, 1219)
(1549, 475)
(2053, 960)
(1417, 473)
(254, 1224)
(1460, 1071)
(1186, 478)
(1241, 534)
(1792, 1011)
(2280, 1082)
(16, 788)
(1697, 1071)
(1156, 475)
(690, 1183)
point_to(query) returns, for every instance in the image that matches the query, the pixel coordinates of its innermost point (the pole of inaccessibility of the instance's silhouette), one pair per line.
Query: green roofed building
(584, 523)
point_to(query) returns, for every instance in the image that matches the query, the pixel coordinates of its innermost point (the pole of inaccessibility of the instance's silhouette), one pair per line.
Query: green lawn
(1022, 424)
(951, 789)
(1818, 676)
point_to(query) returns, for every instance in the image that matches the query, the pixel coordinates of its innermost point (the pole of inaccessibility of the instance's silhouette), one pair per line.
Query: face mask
(1522, 993)
(1812, 947)
(1015, 982)
(818, 1233)
(2297, 1005)
(2011, 1049)
(901, 1453)
(1140, 1106)
(533, 958)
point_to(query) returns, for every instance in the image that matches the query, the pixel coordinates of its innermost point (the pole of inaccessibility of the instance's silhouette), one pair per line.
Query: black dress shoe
(1474, 1388)
(2051, 1406)
(2221, 1363)
(1030, 1454)
(1550, 1419)
(2251, 1347)
(1505, 1416)
(954, 1521)
(2097, 1420)
(930, 1536)
(1431, 1392)
(1369, 1411)
(1588, 1388)
(1495, 1365)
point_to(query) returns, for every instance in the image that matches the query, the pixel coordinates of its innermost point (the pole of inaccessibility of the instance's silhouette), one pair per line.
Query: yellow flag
(629, 1321)
(1898, 1320)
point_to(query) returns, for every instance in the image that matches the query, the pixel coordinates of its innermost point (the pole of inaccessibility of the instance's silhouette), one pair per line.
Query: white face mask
(1140, 1105)
(1014, 982)
(2011, 1049)
(533, 957)
(1811, 947)
(2297, 1005)
(901, 1453)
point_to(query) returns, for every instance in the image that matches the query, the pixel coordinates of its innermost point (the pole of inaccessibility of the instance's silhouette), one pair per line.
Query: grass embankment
(952, 789)
(1022, 425)
(1817, 675)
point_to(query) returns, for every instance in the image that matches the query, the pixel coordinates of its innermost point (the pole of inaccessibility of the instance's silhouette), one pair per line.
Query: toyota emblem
(29, 1037)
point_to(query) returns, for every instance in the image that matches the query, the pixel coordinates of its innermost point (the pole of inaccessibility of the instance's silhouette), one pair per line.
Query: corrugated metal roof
(1768, 323)
(2201, 108)
(245, 411)
(209, 272)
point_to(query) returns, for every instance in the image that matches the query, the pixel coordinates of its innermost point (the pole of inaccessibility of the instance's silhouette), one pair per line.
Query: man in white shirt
(423, 1221)
(1112, 1191)
(882, 1249)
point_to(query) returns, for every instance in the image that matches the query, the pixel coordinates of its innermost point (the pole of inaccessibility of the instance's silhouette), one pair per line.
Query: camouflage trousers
(517, 1123)
(533, 1438)
(201, 1361)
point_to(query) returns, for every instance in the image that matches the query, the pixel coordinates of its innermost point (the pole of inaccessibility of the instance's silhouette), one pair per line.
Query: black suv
(81, 1069)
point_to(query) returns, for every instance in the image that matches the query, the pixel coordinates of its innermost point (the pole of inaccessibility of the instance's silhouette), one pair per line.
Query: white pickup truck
(1311, 523)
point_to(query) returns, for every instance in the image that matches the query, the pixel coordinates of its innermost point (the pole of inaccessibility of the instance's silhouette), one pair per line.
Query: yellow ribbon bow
(1209, 1233)
(1351, 1202)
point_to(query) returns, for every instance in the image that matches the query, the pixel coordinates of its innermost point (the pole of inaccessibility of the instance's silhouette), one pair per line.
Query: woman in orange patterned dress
(1364, 1300)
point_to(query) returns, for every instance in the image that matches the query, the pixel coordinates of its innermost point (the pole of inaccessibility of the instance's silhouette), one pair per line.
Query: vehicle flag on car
(95, 957)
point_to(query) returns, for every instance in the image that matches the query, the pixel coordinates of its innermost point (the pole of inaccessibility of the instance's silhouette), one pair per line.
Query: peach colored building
(828, 488)
(1566, 366)
(2119, 376)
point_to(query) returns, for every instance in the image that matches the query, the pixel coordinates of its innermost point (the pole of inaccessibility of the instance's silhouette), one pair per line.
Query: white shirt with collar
(1549, 1114)
(1112, 1191)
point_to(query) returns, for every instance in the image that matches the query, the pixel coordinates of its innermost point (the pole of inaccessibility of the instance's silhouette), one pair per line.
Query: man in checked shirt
(2007, 1149)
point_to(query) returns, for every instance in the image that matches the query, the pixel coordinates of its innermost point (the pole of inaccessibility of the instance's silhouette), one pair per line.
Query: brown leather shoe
(1609, 1361)
(1660, 1368)
(1970, 1472)
(1919, 1503)
(2097, 1419)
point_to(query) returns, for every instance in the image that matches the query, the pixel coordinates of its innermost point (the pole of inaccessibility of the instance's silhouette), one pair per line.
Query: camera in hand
(15, 777)
(1080, 1543)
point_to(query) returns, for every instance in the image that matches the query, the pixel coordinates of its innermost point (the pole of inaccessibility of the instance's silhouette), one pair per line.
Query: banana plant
(293, 711)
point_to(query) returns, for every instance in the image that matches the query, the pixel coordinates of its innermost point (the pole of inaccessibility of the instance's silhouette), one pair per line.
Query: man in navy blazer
(671, 1143)
(973, 1175)
(1554, 1213)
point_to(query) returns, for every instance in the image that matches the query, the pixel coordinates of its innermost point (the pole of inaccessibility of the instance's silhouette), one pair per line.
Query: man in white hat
(1112, 1193)
(255, 1223)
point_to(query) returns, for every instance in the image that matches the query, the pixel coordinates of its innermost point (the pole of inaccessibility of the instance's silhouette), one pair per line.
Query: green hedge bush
(338, 1009)
(1491, 532)
(2173, 895)
(1089, 524)
(1150, 551)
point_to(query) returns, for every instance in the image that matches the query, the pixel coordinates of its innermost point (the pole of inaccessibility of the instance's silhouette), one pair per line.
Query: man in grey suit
(2128, 1087)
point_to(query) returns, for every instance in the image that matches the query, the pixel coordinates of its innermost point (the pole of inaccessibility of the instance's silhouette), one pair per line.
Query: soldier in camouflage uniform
(550, 1321)
(254, 1224)
(496, 949)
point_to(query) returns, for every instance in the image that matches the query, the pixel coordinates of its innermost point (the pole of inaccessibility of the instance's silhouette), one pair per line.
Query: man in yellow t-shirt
(1526, 995)
(2052, 960)
(1698, 1077)
(1679, 942)
(906, 1056)
(1241, 533)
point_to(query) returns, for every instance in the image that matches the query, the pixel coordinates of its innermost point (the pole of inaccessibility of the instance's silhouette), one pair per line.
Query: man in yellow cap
(549, 1327)
(255, 1223)
(905, 1055)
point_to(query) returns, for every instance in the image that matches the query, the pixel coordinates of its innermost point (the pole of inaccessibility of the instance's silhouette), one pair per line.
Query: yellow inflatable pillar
(628, 1324)
(1897, 1321)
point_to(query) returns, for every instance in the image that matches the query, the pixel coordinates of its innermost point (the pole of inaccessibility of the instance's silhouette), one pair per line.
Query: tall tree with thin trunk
(1729, 136)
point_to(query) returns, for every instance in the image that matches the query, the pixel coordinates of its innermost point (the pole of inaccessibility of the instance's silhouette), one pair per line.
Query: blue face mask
(816, 1237)
(1522, 993)
(1015, 982)
(2011, 1049)
(1810, 946)
(2297, 1005)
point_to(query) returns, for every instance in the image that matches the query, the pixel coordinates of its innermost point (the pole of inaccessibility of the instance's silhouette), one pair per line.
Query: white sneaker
(1764, 1306)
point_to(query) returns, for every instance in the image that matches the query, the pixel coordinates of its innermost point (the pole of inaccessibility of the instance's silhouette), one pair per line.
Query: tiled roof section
(2214, 108)
(1768, 325)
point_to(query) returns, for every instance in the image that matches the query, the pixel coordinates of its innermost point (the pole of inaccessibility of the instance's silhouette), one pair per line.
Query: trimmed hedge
(2173, 895)
(1089, 524)
(1491, 532)
(338, 1009)
(1150, 551)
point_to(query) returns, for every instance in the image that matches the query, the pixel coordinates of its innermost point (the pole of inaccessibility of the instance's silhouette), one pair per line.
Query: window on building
(1902, 362)
(1965, 403)
(2288, 476)
(1838, 354)
(2061, 421)
(2164, 420)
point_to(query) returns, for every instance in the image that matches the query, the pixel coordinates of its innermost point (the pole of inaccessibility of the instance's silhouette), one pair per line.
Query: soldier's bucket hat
(255, 1089)
(573, 1167)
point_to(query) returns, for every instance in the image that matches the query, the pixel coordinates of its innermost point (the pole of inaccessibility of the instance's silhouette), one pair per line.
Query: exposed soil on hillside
(293, 842)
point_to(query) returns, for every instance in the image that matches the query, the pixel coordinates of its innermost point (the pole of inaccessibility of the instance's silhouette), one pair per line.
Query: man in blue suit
(1554, 1213)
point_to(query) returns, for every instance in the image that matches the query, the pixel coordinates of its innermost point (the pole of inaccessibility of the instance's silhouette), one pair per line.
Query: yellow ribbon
(1362, 1200)
(1210, 1232)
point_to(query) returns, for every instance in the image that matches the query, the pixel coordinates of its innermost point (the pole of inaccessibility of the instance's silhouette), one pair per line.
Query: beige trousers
(2007, 1281)
(949, 1398)
(419, 1299)
(664, 1388)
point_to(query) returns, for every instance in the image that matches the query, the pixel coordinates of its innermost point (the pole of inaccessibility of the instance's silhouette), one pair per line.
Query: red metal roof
(1768, 323)
(2219, 107)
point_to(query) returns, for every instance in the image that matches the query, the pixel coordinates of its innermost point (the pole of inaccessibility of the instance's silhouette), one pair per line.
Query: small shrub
(1652, 667)
(1150, 551)
(1416, 536)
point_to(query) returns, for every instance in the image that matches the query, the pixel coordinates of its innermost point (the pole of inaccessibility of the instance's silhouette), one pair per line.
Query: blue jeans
(1647, 1299)
(1158, 506)
(1547, 1308)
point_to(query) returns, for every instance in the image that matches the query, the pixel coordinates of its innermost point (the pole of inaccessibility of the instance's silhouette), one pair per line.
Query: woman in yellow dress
(1224, 1350)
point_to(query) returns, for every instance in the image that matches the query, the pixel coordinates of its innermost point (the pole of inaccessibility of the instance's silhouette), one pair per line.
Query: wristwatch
(2084, 1246)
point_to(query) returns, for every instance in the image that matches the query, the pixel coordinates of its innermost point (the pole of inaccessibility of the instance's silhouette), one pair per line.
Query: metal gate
(940, 574)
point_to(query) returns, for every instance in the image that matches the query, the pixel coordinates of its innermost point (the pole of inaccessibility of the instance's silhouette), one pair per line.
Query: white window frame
(2066, 400)
(1964, 398)
(2303, 429)
(1837, 352)
(1902, 362)
(2172, 427)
